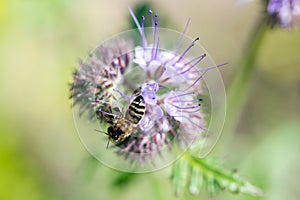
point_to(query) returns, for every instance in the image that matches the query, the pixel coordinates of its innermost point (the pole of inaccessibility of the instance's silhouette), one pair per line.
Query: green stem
(224, 178)
(239, 89)
(206, 168)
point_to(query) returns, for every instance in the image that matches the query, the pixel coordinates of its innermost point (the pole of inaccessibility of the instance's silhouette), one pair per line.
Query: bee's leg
(107, 113)
(124, 97)
(109, 119)
(110, 104)
(116, 110)
(137, 91)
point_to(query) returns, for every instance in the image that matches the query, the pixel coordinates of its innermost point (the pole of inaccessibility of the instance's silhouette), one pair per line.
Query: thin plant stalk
(240, 86)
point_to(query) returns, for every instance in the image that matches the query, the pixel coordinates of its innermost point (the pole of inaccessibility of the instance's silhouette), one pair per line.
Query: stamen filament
(182, 35)
(200, 58)
(144, 42)
(183, 108)
(198, 126)
(184, 53)
(186, 101)
(213, 67)
(191, 111)
(197, 80)
(180, 95)
(135, 20)
(200, 77)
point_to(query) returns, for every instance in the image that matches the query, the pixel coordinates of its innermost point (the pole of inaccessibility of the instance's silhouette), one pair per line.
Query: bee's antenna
(107, 144)
(105, 134)
(101, 131)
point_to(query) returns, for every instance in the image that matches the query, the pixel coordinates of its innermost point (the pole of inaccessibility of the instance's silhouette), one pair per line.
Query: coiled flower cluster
(169, 82)
(96, 77)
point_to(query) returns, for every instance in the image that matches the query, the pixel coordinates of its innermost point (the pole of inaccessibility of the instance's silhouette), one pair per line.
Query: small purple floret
(284, 12)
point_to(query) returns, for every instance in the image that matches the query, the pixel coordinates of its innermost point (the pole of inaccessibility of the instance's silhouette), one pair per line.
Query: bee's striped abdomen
(136, 110)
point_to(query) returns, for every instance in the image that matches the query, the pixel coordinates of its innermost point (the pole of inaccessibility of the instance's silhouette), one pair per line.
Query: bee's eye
(119, 131)
(112, 133)
(110, 130)
(115, 136)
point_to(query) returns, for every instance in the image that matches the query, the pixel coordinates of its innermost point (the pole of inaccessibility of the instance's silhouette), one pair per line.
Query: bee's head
(113, 134)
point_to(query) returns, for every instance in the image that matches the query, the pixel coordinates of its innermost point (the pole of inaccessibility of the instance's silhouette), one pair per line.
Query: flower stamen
(135, 20)
(184, 53)
(198, 59)
(182, 35)
(183, 108)
(180, 95)
(144, 42)
(195, 124)
(201, 76)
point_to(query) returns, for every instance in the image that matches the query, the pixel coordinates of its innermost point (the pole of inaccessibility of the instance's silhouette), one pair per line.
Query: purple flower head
(284, 12)
(94, 80)
(147, 99)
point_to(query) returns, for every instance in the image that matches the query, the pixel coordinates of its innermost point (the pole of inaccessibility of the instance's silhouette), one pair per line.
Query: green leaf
(179, 177)
(191, 172)
(196, 181)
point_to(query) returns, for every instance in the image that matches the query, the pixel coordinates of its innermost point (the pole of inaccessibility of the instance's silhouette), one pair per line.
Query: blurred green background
(41, 156)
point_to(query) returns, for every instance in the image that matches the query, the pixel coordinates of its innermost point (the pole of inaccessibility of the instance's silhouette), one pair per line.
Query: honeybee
(123, 126)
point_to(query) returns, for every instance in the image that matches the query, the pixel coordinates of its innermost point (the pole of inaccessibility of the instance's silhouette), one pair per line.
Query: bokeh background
(41, 156)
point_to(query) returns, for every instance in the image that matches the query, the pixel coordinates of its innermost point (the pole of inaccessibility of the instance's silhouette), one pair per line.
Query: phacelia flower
(95, 78)
(284, 12)
(153, 92)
